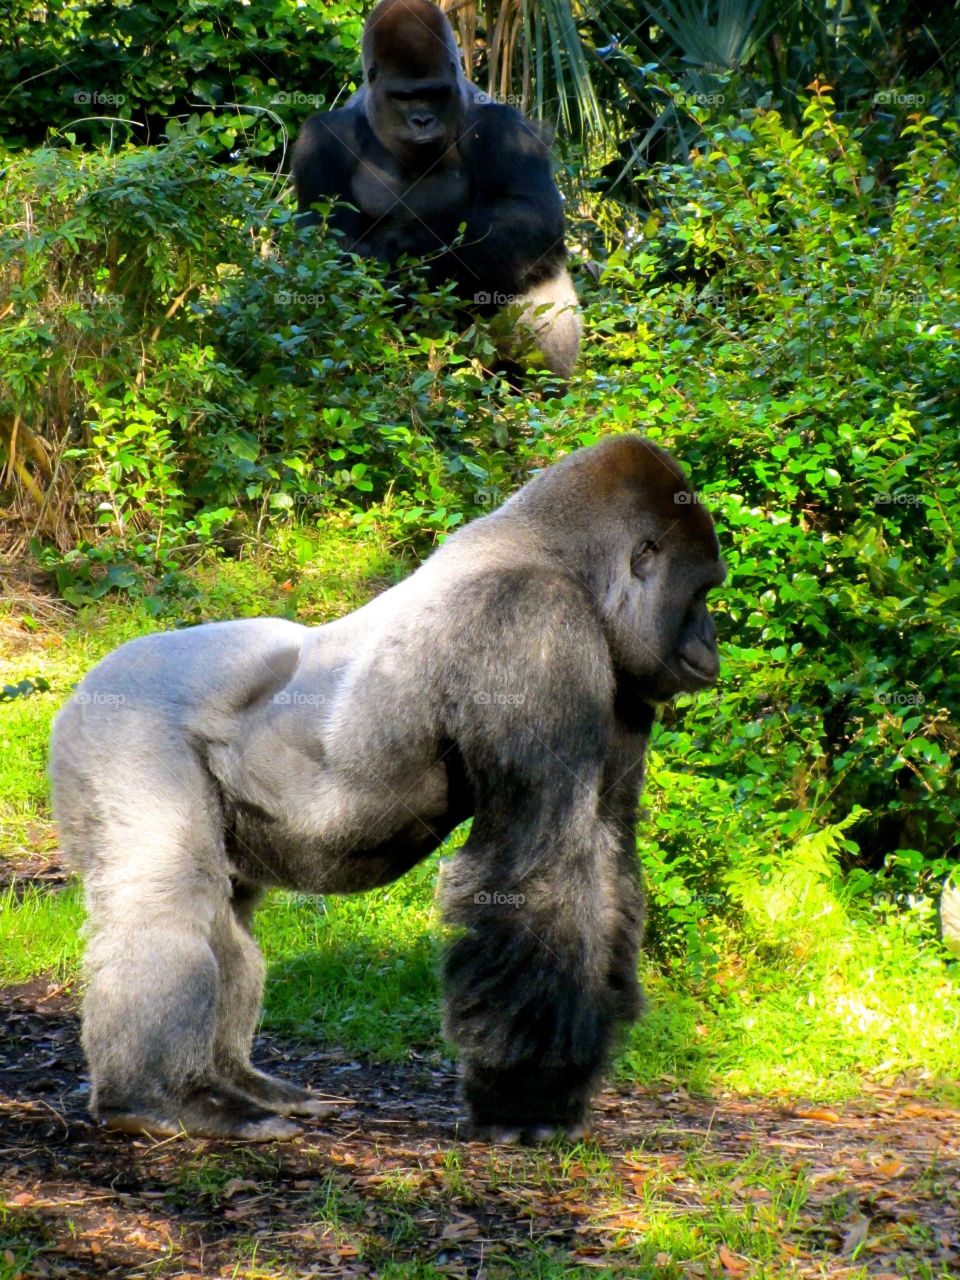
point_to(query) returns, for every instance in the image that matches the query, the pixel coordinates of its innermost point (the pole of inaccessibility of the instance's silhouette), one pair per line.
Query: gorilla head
(648, 565)
(414, 85)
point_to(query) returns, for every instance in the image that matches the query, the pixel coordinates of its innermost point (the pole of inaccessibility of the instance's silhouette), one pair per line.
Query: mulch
(392, 1178)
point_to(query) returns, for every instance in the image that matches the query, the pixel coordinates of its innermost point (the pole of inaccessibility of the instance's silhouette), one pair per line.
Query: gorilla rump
(511, 679)
(420, 152)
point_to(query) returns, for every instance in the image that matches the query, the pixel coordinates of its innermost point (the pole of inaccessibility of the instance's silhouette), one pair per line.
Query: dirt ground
(390, 1181)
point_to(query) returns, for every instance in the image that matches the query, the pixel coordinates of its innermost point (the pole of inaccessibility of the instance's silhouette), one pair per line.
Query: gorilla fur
(421, 153)
(512, 679)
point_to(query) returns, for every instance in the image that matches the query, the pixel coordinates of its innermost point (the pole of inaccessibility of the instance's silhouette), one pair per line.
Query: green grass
(39, 933)
(357, 971)
(870, 1000)
(361, 972)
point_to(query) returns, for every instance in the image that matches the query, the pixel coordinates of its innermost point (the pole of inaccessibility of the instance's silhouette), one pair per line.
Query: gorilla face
(671, 641)
(415, 118)
(661, 634)
(624, 520)
(414, 97)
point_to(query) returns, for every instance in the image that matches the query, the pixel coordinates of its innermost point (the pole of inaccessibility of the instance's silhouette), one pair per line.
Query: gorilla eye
(642, 558)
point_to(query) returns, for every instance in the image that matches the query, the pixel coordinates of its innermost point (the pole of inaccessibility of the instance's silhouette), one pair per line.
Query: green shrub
(788, 326)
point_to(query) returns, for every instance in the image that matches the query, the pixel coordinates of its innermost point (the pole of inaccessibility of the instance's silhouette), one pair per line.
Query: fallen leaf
(890, 1168)
(855, 1236)
(238, 1184)
(819, 1113)
(462, 1229)
(628, 1220)
(732, 1263)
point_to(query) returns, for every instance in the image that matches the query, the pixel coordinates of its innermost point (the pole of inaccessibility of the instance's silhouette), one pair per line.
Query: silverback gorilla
(511, 679)
(420, 153)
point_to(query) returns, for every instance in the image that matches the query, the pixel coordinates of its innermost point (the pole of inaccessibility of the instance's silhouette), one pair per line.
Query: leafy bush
(788, 324)
(86, 69)
(180, 364)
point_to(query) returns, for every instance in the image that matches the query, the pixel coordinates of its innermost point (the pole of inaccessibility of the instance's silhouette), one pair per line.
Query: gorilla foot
(527, 1135)
(527, 1104)
(211, 1112)
(281, 1096)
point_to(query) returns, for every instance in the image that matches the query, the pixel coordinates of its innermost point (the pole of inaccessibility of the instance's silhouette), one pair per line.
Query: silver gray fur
(511, 678)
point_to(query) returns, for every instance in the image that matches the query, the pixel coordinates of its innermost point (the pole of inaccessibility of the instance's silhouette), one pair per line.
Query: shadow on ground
(391, 1186)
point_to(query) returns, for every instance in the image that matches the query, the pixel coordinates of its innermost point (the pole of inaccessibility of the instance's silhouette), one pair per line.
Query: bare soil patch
(392, 1180)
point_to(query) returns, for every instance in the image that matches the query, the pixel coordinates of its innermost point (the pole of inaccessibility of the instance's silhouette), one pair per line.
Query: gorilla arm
(546, 890)
(324, 161)
(513, 236)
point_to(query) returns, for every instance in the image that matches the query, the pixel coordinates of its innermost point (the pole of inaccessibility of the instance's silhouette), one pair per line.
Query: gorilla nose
(422, 122)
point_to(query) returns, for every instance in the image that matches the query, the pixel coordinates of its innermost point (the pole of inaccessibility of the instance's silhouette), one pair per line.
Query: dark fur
(418, 169)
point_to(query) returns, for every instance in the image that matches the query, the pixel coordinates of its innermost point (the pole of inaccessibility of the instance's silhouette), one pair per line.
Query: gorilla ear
(372, 73)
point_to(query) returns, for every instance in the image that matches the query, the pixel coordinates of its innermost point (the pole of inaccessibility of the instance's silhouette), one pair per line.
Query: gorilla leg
(622, 783)
(551, 313)
(239, 1000)
(156, 882)
(541, 977)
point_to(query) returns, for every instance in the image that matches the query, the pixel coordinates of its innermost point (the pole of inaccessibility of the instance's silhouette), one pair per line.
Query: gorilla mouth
(699, 675)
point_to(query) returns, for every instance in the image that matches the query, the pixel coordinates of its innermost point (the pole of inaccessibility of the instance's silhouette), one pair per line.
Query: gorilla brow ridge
(409, 15)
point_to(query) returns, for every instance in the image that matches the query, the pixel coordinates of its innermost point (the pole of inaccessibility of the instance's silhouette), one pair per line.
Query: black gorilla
(421, 153)
(512, 678)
